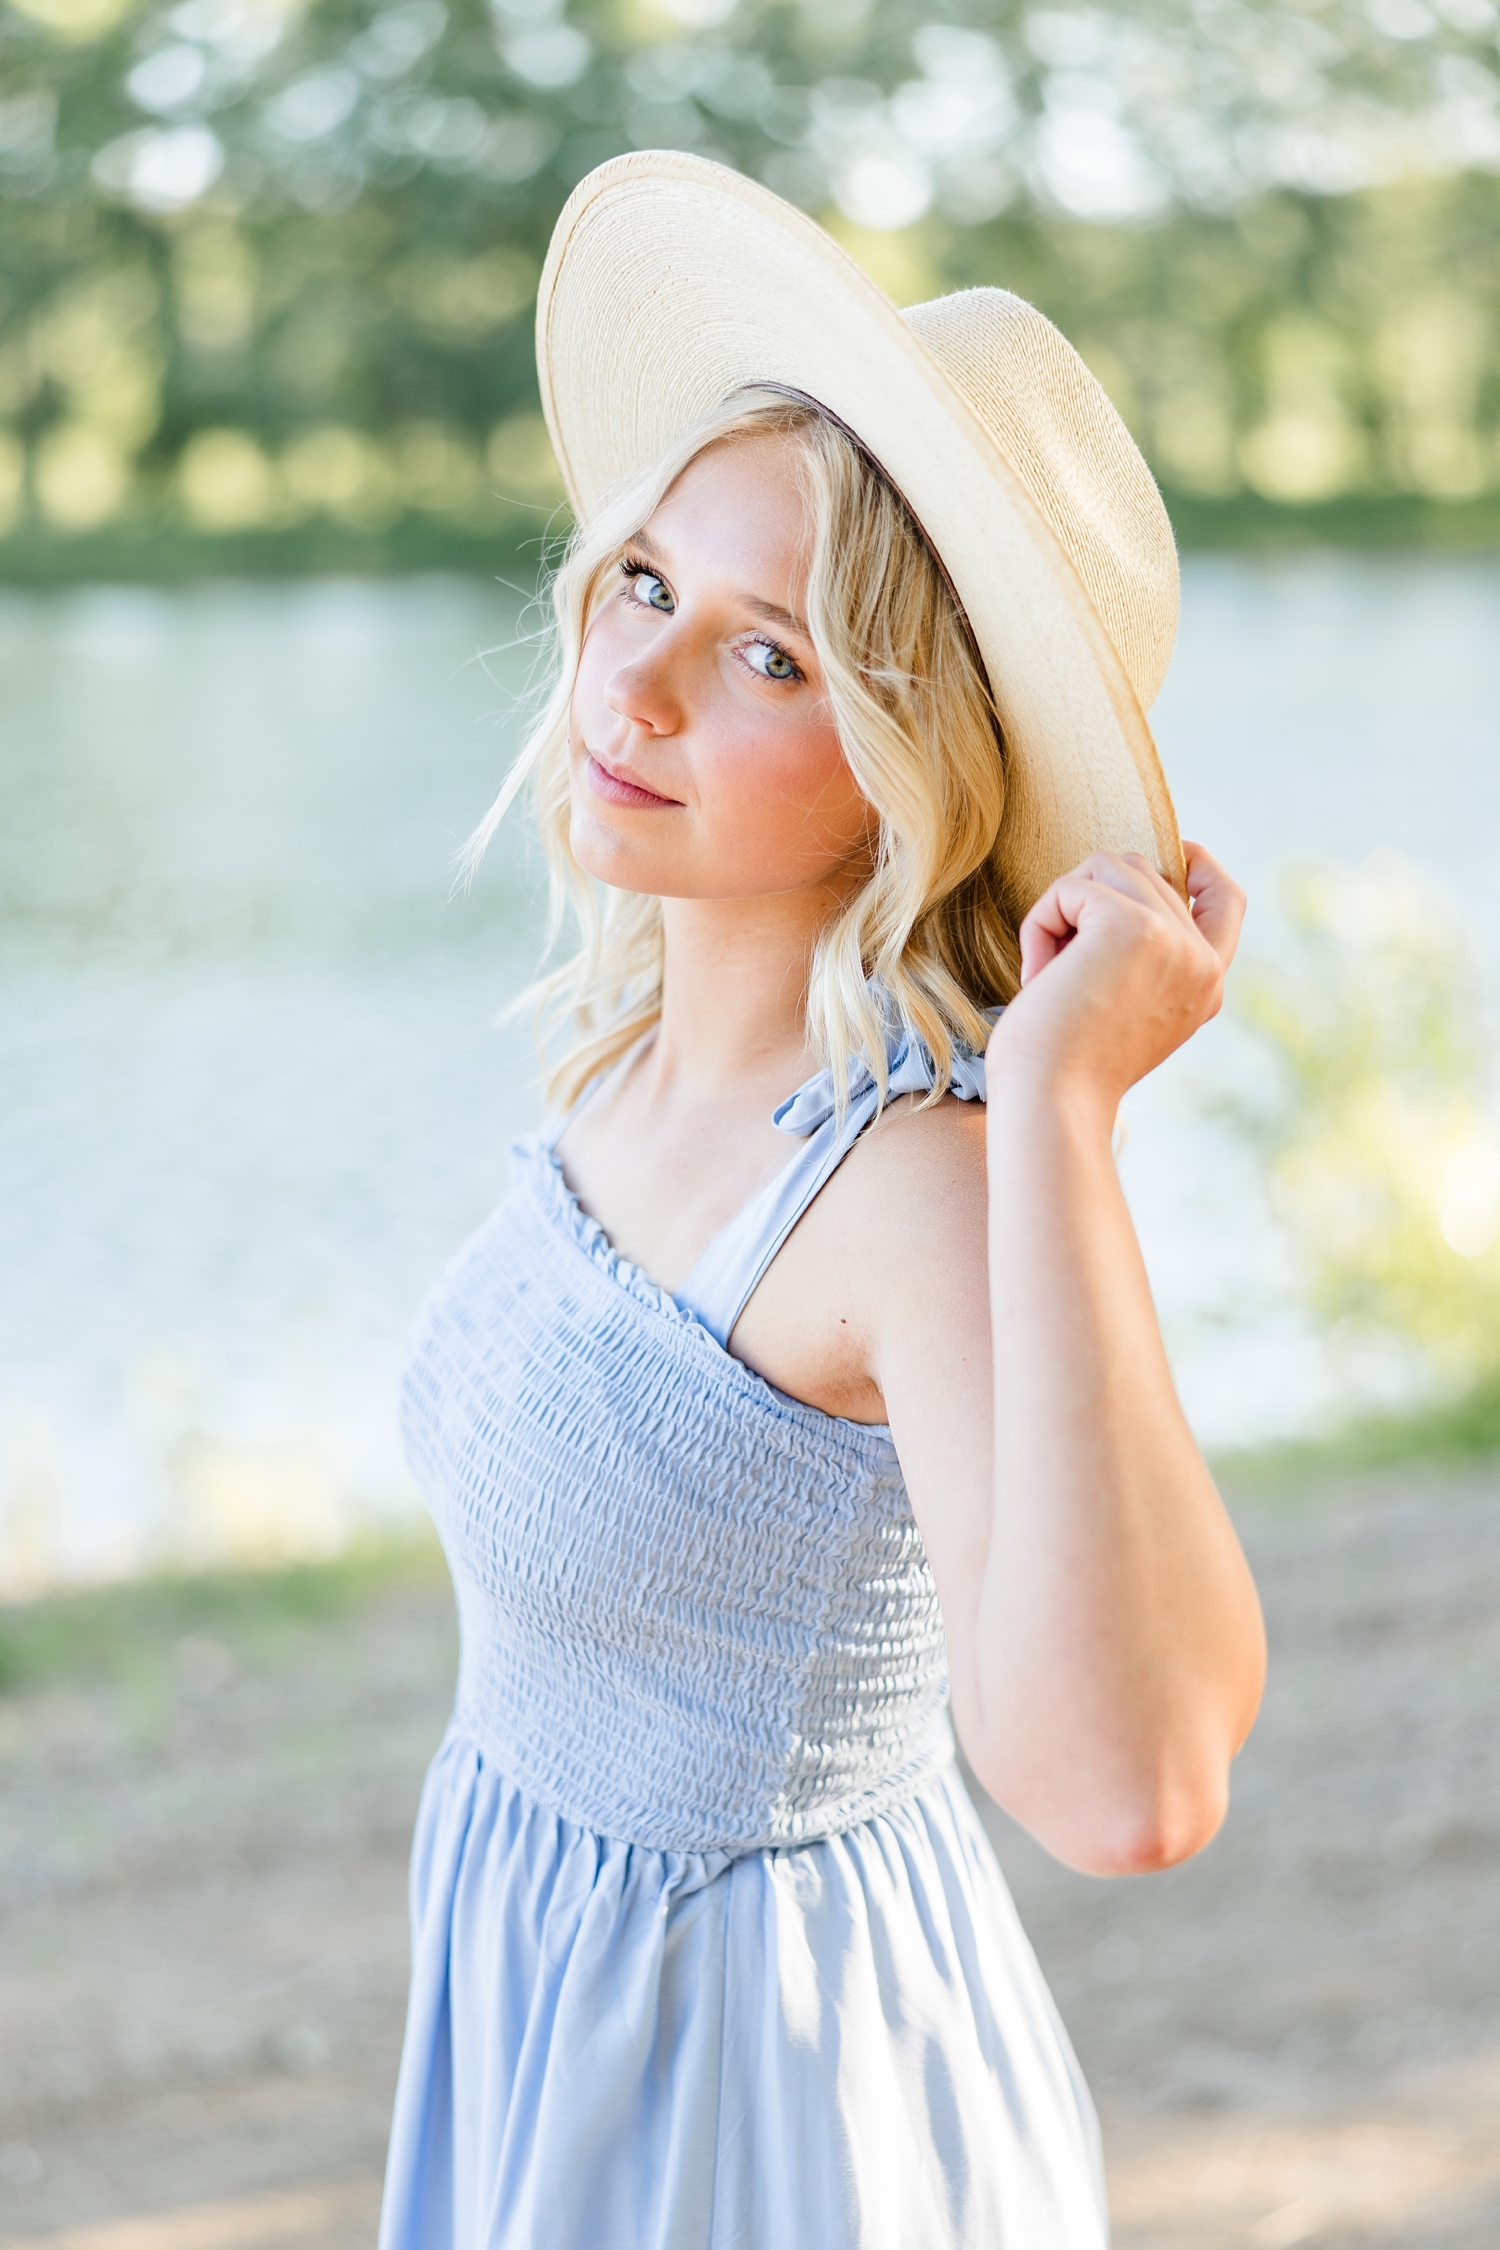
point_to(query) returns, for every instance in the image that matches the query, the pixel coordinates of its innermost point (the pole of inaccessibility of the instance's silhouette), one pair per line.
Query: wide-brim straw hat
(673, 282)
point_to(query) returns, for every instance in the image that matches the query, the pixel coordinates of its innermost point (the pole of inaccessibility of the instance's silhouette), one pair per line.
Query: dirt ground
(1293, 2040)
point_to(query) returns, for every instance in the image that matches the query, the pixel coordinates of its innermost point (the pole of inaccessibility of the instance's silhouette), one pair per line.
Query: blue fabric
(723, 1281)
(709, 1949)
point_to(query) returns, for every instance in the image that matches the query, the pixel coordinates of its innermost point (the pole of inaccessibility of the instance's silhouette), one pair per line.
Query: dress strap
(724, 1279)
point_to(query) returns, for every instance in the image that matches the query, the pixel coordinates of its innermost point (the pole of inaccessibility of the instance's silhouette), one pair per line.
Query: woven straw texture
(672, 282)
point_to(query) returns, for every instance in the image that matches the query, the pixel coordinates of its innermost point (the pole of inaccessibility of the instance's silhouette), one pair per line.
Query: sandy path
(1294, 2040)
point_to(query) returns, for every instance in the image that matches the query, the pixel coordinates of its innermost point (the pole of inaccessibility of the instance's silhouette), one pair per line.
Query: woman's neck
(734, 989)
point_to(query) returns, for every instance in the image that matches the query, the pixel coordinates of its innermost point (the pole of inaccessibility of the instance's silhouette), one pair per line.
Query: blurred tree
(266, 268)
(1381, 1139)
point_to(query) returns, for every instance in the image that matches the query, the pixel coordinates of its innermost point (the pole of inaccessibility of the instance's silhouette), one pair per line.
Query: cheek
(836, 789)
(810, 768)
(786, 791)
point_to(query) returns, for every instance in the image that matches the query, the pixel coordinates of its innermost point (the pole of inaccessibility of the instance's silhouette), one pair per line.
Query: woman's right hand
(1116, 973)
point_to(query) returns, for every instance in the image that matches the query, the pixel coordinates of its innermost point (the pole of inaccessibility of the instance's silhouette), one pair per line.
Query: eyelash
(631, 567)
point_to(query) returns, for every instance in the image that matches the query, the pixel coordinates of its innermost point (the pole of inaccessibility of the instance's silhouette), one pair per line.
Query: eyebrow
(775, 615)
(772, 612)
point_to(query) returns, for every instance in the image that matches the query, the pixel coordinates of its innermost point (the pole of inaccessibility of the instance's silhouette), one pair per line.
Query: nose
(643, 692)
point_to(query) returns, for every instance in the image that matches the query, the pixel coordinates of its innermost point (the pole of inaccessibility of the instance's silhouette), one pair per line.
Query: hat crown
(673, 283)
(1054, 423)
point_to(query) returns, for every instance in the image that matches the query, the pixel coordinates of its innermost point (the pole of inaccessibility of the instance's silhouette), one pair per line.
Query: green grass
(115, 1634)
(1451, 1434)
(122, 1634)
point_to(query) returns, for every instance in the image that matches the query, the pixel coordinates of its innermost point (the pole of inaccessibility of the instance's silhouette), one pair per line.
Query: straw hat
(672, 282)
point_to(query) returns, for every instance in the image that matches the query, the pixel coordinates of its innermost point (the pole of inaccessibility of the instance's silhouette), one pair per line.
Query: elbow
(1158, 1830)
(1132, 1803)
(1139, 1826)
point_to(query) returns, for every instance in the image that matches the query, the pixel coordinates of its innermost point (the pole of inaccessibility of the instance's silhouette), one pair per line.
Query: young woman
(797, 1390)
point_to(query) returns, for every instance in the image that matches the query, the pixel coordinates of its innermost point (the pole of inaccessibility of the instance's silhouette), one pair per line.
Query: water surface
(252, 1091)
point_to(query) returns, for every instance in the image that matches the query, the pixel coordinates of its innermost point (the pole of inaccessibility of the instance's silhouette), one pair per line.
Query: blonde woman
(796, 1391)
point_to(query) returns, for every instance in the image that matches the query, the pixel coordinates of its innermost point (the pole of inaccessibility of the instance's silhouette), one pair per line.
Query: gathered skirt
(840, 2045)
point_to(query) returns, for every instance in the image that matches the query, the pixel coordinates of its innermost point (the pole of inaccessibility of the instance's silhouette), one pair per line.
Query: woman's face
(703, 756)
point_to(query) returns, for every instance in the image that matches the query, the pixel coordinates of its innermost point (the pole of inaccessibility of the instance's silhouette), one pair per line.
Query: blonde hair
(928, 940)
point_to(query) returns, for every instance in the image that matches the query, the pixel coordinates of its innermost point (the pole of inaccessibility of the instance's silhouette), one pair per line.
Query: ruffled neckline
(910, 1070)
(590, 1237)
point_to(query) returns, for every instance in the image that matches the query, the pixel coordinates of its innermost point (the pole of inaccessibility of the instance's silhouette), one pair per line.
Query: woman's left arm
(1105, 1639)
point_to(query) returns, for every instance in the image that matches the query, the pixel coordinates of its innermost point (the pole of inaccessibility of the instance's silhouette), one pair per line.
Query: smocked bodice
(696, 1614)
(698, 1626)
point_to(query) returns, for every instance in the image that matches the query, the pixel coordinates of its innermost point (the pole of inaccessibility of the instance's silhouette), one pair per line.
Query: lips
(618, 787)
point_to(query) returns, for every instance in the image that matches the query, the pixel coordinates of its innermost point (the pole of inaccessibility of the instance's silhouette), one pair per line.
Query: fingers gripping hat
(673, 282)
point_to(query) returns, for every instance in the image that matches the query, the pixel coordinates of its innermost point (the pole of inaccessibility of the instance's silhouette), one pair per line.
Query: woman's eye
(771, 662)
(650, 591)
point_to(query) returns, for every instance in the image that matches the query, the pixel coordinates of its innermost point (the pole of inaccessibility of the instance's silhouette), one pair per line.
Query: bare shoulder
(913, 1198)
(895, 1241)
(914, 1182)
(923, 1162)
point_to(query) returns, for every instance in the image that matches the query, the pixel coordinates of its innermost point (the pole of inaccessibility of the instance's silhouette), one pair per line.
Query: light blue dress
(710, 1951)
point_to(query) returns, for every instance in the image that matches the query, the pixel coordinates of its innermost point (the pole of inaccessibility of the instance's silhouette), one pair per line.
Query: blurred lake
(252, 1094)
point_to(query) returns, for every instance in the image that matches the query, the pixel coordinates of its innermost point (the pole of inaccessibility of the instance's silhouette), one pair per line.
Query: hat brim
(672, 282)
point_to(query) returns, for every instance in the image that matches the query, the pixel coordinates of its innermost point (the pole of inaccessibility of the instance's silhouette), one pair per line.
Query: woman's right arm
(1105, 1639)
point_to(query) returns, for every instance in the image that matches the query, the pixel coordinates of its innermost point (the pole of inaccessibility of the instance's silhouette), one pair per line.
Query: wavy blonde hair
(928, 940)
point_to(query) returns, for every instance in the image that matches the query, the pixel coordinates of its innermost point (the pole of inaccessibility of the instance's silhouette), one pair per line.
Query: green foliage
(266, 268)
(1381, 1143)
(1301, 351)
(118, 1634)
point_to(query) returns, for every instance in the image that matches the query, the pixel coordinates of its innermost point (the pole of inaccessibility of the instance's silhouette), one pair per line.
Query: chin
(612, 859)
